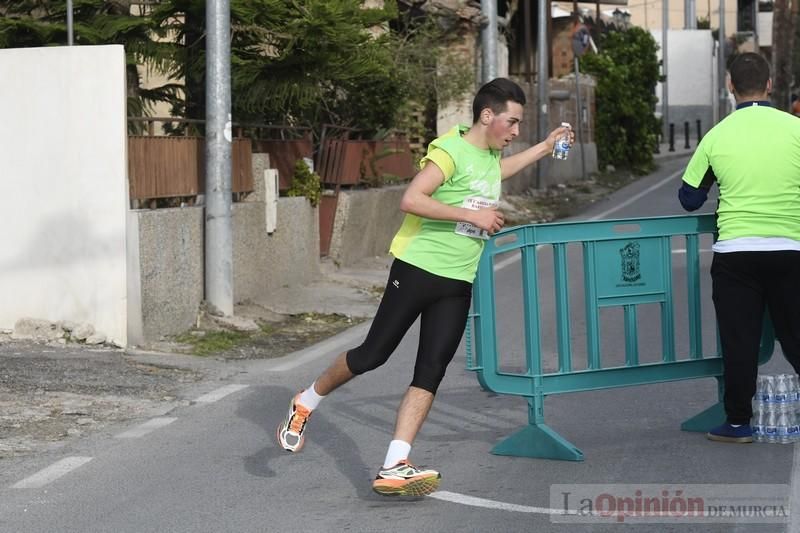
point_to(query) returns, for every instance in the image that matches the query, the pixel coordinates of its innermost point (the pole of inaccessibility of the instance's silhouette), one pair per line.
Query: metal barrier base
(538, 441)
(705, 420)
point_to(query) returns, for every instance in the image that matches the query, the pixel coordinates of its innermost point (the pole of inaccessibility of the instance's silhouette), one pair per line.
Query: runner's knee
(428, 377)
(361, 360)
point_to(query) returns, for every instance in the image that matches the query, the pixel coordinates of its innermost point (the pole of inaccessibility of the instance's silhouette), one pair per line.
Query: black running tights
(411, 292)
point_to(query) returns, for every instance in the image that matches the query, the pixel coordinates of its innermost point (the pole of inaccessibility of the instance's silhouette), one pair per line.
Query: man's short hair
(495, 95)
(749, 74)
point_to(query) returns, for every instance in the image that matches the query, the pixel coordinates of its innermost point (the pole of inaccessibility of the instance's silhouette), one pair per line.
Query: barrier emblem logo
(630, 262)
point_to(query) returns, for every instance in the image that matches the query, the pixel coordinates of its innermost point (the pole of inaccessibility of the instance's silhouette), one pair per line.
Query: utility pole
(489, 41)
(664, 69)
(218, 224)
(689, 15)
(70, 30)
(784, 16)
(542, 84)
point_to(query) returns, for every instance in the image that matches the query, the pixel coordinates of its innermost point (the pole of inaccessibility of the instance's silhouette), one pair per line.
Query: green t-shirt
(754, 153)
(434, 245)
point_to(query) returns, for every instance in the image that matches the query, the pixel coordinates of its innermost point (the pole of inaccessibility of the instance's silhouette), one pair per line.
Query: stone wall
(366, 221)
(169, 257)
(170, 261)
(289, 255)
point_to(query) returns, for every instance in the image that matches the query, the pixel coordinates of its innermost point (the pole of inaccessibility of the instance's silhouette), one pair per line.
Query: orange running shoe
(405, 479)
(290, 431)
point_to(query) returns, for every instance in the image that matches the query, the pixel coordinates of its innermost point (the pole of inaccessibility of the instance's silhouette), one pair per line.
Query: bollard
(657, 149)
(672, 137)
(686, 134)
(699, 132)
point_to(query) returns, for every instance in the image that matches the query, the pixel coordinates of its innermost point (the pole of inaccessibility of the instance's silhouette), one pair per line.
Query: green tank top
(445, 248)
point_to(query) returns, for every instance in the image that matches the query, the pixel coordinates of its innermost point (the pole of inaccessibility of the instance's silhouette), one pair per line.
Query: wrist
(468, 216)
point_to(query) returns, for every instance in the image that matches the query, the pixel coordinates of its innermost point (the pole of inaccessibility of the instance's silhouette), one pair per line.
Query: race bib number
(474, 203)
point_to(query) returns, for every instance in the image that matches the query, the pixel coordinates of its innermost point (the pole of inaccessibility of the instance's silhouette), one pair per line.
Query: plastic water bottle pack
(775, 409)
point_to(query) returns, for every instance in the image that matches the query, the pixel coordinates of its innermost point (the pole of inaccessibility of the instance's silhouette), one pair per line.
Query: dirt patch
(49, 394)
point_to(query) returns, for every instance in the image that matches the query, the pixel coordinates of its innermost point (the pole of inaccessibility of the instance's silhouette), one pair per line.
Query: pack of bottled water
(775, 409)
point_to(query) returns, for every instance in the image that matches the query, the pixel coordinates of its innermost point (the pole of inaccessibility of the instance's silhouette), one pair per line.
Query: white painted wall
(63, 181)
(691, 67)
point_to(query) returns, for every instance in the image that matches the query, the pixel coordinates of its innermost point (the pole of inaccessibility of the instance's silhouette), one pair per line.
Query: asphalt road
(213, 466)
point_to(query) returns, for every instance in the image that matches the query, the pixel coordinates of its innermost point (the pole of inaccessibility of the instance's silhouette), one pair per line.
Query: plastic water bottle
(794, 387)
(793, 426)
(776, 409)
(563, 143)
(771, 426)
(783, 426)
(782, 389)
(759, 421)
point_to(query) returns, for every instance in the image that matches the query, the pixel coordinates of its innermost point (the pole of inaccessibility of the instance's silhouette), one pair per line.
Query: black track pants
(744, 284)
(411, 292)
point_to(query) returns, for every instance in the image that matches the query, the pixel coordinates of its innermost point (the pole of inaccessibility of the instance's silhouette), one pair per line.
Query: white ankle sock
(310, 398)
(398, 450)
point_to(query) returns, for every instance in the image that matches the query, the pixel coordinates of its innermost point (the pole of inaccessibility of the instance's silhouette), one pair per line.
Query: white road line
(472, 501)
(147, 427)
(51, 473)
(508, 261)
(334, 344)
(683, 250)
(636, 197)
(216, 395)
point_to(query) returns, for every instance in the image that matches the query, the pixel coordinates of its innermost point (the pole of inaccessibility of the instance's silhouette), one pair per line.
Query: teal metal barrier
(626, 263)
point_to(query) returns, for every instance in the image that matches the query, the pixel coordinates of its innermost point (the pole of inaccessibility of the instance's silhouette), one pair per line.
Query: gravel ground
(52, 393)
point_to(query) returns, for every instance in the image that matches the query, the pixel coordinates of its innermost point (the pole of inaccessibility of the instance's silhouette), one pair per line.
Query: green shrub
(305, 183)
(627, 70)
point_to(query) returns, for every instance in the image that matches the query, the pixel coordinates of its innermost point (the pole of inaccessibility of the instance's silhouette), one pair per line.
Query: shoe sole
(735, 440)
(281, 427)
(280, 442)
(414, 487)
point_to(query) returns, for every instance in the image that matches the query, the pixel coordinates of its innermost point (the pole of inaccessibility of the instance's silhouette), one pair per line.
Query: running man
(451, 207)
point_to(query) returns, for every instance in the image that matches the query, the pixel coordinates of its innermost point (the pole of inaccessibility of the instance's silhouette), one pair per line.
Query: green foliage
(305, 183)
(627, 70)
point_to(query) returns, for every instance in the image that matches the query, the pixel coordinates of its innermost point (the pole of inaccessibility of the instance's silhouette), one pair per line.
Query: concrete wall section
(169, 259)
(171, 269)
(64, 233)
(289, 255)
(365, 223)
